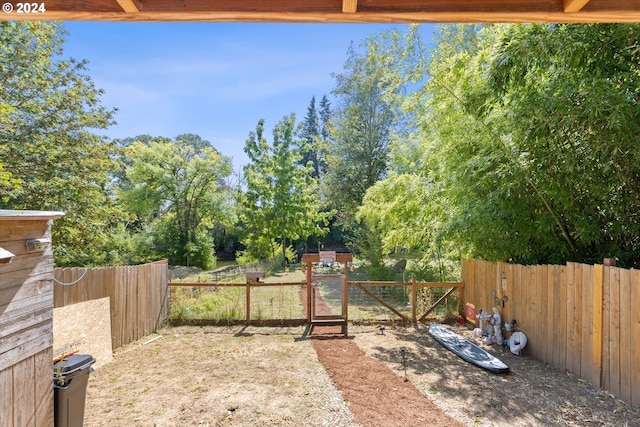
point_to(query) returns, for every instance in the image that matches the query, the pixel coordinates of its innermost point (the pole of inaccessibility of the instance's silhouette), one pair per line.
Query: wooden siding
(577, 317)
(137, 296)
(26, 321)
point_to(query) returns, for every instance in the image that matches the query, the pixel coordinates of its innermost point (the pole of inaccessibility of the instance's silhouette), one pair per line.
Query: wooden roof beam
(130, 6)
(572, 6)
(351, 6)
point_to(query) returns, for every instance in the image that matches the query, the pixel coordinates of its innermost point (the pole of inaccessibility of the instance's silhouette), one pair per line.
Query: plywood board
(85, 327)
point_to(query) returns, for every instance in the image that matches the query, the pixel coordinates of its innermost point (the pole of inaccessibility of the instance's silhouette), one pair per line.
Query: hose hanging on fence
(73, 282)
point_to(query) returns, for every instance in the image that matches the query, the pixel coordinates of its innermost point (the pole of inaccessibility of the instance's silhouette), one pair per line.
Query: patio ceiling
(335, 10)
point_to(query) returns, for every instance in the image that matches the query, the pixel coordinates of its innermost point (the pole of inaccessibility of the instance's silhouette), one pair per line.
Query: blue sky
(212, 79)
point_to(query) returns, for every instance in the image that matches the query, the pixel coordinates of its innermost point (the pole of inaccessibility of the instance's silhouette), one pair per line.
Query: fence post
(248, 303)
(414, 299)
(461, 304)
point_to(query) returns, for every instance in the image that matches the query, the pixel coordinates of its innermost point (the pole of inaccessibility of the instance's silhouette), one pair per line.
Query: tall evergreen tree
(309, 134)
(361, 132)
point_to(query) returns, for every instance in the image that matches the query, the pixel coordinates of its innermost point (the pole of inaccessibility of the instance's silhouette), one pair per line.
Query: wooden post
(248, 303)
(309, 301)
(414, 299)
(345, 292)
(461, 304)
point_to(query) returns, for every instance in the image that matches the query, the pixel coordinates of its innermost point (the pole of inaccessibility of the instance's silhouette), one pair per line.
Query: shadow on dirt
(533, 393)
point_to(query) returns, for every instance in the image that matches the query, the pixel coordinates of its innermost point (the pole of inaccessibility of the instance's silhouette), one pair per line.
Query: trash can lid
(73, 363)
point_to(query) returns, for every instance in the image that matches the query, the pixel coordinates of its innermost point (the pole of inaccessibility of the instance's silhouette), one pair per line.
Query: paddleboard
(467, 350)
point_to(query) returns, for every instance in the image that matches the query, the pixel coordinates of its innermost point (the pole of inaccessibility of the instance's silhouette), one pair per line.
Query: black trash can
(70, 378)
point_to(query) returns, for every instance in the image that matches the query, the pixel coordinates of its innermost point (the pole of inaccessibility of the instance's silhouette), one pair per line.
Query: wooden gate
(318, 312)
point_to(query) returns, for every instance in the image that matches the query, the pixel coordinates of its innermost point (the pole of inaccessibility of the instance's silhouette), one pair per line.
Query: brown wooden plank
(504, 280)
(533, 313)
(573, 6)
(577, 320)
(21, 229)
(614, 334)
(58, 290)
(111, 292)
(141, 299)
(557, 322)
(21, 340)
(625, 335)
(17, 309)
(6, 401)
(118, 307)
(596, 326)
(515, 297)
(130, 6)
(481, 301)
(134, 305)
(88, 283)
(549, 314)
(634, 324)
(131, 316)
(151, 294)
(165, 295)
(28, 289)
(539, 312)
(73, 291)
(247, 303)
(587, 370)
(331, 11)
(25, 320)
(43, 390)
(25, 268)
(539, 315)
(571, 318)
(414, 298)
(436, 304)
(606, 323)
(23, 395)
(349, 6)
(564, 323)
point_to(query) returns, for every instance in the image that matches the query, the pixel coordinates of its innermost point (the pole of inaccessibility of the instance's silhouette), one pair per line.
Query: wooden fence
(581, 318)
(137, 295)
(413, 287)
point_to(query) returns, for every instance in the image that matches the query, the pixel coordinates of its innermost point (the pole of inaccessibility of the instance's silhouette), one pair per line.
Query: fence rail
(581, 318)
(137, 295)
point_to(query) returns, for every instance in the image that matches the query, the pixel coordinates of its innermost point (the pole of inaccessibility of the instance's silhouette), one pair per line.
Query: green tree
(361, 128)
(310, 140)
(528, 136)
(49, 108)
(178, 188)
(280, 203)
(569, 99)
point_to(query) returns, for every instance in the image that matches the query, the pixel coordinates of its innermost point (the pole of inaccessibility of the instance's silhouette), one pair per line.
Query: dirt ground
(268, 376)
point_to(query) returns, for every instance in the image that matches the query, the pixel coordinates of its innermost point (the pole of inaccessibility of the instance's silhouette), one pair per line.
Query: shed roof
(334, 10)
(6, 214)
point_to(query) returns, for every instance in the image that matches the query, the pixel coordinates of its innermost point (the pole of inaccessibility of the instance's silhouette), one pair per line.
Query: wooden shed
(26, 318)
